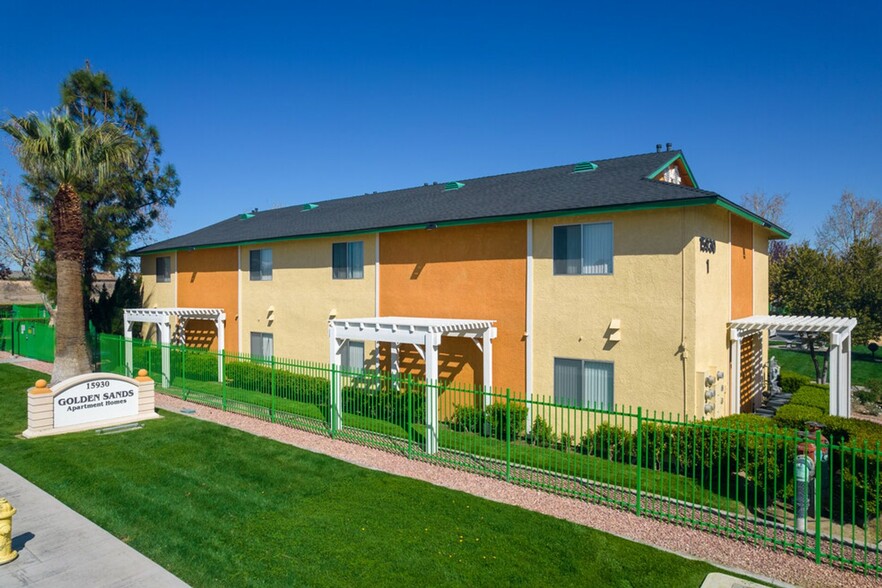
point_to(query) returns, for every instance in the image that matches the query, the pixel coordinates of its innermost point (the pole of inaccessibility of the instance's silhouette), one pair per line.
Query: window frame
(581, 272)
(263, 336)
(262, 276)
(165, 277)
(583, 395)
(350, 270)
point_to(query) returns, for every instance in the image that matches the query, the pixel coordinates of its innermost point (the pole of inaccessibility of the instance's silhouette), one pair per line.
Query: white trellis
(425, 335)
(161, 317)
(839, 330)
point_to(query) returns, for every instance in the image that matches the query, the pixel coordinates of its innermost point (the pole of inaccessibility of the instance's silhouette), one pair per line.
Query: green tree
(863, 282)
(106, 311)
(808, 282)
(129, 201)
(65, 156)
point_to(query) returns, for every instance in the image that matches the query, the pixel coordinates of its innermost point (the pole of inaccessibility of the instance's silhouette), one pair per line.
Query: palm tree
(68, 155)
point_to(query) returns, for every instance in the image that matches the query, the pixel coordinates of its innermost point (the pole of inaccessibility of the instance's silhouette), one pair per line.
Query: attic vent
(584, 166)
(453, 186)
(246, 216)
(310, 206)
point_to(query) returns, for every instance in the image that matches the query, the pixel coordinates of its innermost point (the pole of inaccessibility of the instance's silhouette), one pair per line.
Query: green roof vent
(309, 206)
(584, 166)
(453, 186)
(246, 216)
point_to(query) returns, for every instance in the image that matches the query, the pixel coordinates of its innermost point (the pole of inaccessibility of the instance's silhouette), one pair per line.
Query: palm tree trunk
(71, 353)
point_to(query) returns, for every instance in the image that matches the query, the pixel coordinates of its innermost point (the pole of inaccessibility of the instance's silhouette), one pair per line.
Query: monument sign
(89, 401)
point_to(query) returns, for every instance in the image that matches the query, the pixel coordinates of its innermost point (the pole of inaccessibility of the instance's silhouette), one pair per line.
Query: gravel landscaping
(758, 560)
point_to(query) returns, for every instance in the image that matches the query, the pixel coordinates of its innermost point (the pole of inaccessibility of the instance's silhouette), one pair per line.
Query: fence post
(639, 457)
(508, 434)
(272, 388)
(409, 389)
(223, 356)
(333, 391)
(818, 483)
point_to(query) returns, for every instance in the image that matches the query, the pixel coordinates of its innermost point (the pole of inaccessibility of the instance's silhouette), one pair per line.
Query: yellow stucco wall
(157, 294)
(653, 270)
(302, 293)
(713, 282)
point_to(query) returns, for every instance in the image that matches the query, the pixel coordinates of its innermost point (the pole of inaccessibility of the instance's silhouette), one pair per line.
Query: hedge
(790, 382)
(814, 396)
(795, 416)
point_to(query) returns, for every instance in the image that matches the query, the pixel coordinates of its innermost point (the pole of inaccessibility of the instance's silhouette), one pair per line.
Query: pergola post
(393, 363)
(219, 326)
(433, 341)
(127, 329)
(336, 388)
(735, 372)
(165, 345)
(840, 375)
(487, 348)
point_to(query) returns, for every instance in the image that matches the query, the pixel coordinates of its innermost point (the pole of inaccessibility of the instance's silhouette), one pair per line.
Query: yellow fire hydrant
(7, 554)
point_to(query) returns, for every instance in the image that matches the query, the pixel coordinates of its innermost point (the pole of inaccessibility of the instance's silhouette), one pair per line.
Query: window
(583, 249)
(261, 345)
(587, 384)
(261, 265)
(163, 269)
(352, 356)
(348, 260)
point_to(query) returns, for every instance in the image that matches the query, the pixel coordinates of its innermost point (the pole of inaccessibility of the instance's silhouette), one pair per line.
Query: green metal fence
(744, 479)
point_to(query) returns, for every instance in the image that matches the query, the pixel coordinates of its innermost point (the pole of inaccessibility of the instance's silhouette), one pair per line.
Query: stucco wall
(206, 278)
(712, 309)
(303, 293)
(472, 272)
(652, 272)
(156, 294)
(742, 267)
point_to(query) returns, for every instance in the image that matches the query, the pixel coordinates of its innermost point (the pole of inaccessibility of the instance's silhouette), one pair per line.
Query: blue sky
(263, 105)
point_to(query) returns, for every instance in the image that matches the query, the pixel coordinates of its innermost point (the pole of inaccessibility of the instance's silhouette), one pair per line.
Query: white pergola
(161, 317)
(839, 329)
(425, 335)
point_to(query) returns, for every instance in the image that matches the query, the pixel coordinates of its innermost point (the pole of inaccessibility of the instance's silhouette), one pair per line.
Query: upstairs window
(583, 249)
(163, 269)
(586, 384)
(353, 356)
(348, 262)
(261, 265)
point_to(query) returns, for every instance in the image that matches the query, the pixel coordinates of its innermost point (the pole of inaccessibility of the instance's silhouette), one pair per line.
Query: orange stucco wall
(208, 278)
(742, 267)
(472, 272)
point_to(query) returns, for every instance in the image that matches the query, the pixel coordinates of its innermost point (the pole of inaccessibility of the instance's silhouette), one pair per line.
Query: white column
(219, 325)
(488, 367)
(432, 343)
(735, 373)
(336, 389)
(840, 380)
(127, 326)
(165, 342)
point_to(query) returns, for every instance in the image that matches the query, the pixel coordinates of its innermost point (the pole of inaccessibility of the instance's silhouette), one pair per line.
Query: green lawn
(863, 368)
(218, 506)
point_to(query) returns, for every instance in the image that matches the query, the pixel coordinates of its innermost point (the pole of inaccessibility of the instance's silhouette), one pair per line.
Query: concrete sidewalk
(58, 547)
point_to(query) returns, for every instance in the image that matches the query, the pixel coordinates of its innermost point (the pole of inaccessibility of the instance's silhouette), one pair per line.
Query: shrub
(567, 442)
(790, 382)
(611, 442)
(814, 396)
(657, 444)
(795, 416)
(467, 418)
(497, 414)
(542, 433)
(871, 394)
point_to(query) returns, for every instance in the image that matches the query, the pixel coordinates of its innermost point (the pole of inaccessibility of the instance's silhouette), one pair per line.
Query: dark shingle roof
(616, 182)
